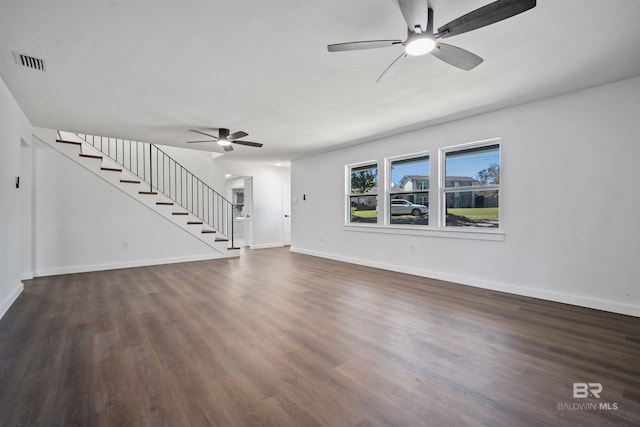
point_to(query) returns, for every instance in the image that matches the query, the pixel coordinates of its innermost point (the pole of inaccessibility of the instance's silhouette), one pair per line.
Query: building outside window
(409, 191)
(472, 186)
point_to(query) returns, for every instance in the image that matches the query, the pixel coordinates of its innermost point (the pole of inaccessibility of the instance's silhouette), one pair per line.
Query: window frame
(443, 190)
(387, 188)
(349, 194)
(435, 228)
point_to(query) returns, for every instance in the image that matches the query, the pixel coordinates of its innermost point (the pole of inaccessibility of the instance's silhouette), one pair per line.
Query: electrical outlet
(321, 237)
(125, 245)
(412, 249)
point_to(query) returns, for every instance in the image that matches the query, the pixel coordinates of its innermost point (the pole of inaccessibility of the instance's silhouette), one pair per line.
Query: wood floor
(283, 339)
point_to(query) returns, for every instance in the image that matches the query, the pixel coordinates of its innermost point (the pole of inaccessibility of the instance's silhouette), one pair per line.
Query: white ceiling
(150, 70)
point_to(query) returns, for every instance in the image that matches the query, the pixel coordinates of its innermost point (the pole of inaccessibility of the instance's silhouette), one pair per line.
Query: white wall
(267, 188)
(81, 223)
(14, 127)
(26, 217)
(200, 163)
(267, 198)
(570, 205)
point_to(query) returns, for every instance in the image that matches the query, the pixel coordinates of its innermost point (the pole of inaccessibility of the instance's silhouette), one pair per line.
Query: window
(471, 186)
(464, 204)
(409, 191)
(238, 202)
(363, 193)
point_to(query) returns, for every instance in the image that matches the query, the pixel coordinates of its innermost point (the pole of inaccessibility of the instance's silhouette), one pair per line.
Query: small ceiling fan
(225, 139)
(421, 39)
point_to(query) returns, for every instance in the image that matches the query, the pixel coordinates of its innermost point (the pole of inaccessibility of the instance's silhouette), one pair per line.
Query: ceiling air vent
(30, 61)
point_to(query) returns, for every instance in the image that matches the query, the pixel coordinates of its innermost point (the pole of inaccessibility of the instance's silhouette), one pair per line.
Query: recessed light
(278, 164)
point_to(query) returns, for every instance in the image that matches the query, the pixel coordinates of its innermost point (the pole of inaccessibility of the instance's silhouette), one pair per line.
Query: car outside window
(409, 190)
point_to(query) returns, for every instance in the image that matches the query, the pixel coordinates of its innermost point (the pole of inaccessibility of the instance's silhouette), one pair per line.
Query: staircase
(152, 177)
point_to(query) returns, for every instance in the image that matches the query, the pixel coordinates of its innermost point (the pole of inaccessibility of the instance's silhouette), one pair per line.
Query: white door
(248, 210)
(286, 212)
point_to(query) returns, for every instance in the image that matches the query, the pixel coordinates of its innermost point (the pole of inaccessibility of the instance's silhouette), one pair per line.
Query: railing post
(232, 207)
(189, 193)
(150, 170)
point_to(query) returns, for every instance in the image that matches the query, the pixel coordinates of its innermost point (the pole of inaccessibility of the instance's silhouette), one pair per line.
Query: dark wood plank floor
(283, 339)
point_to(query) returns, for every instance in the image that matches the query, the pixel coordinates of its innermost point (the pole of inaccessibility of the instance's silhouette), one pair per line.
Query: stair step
(108, 166)
(62, 141)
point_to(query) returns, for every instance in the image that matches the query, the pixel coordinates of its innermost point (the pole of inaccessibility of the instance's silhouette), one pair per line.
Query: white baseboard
(10, 299)
(128, 264)
(267, 245)
(598, 304)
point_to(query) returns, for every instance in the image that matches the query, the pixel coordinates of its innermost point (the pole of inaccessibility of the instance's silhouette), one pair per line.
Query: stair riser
(93, 165)
(67, 149)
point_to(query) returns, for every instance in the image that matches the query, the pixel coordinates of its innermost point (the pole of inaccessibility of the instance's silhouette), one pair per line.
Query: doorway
(286, 212)
(240, 193)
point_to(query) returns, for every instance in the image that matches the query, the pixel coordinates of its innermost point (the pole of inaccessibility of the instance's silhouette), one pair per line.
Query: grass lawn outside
(365, 214)
(476, 214)
(368, 216)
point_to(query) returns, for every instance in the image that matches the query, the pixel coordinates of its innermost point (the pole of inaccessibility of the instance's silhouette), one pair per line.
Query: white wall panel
(570, 205)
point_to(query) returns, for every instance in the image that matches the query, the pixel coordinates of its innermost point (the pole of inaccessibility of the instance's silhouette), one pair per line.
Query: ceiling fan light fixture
(222, 141)
(420, 46)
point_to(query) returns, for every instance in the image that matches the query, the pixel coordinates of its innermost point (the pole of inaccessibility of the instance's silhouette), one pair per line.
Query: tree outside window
(472, 186)
(363, 197)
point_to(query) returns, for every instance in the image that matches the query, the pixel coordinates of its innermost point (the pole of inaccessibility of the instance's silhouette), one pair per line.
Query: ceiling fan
(225, 139)
(421, 39)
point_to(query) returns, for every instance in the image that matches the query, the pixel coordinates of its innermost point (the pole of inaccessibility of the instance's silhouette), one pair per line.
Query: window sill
(495, 235)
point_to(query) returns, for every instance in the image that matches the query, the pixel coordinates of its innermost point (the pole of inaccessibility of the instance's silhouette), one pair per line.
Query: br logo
(584, 390)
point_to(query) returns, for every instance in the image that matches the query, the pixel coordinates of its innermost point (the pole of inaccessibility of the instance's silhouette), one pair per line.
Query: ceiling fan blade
(223, 133)
(205, 134)
(415, 12)
(395, 66)
(456, 56)
(238, 135)
(248, 143)
(486, 15)
(368, 44)
(227, 147)
(206, 140)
